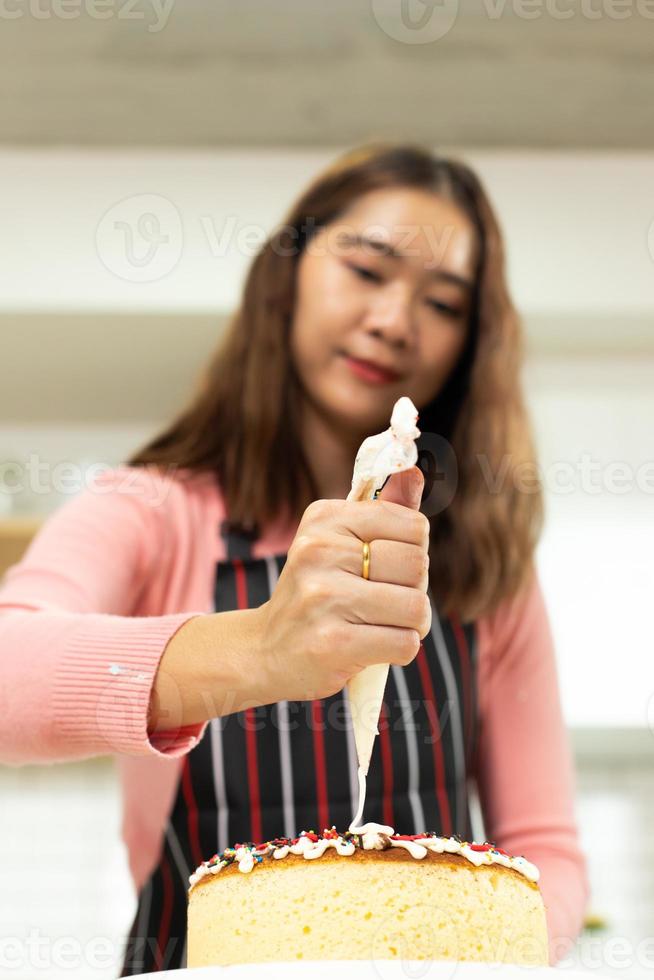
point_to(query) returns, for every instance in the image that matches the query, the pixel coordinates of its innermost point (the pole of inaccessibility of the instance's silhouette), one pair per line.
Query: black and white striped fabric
(279, 769)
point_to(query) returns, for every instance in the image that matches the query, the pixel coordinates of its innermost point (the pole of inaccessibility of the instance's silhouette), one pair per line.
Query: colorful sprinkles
(308, 843)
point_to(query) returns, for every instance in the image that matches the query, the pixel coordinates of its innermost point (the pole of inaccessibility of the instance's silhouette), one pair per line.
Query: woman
(217, 577)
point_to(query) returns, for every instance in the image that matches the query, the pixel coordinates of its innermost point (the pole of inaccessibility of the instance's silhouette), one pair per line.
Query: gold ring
(366, 560)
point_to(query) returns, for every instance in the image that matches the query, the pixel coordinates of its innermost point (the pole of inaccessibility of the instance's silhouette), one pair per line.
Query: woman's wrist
(210, 668)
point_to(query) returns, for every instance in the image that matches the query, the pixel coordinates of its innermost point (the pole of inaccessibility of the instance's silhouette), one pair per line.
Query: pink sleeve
(76, 669)
(526, 775)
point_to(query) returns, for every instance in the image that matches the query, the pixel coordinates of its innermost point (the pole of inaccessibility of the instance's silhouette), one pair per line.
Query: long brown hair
(242, 424)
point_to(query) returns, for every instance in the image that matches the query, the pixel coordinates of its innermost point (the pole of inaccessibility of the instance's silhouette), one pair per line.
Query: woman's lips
(370, 372)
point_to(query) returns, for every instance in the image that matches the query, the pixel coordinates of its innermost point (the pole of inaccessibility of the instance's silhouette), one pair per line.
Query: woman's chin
(361, 412)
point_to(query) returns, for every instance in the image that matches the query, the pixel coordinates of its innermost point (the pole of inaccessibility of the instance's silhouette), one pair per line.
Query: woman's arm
(525, 772)
(193, 685)
(76, 669)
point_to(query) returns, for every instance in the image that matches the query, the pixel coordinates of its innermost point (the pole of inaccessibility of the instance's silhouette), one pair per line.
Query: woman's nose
(391, 315)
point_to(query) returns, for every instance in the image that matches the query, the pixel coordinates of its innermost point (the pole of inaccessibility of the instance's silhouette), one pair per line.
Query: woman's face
(406, 312)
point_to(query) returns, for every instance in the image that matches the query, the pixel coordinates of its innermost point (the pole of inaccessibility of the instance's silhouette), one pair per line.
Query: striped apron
(278, 769)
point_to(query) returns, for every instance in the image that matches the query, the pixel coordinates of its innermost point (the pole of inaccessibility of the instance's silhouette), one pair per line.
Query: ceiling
(310, 73)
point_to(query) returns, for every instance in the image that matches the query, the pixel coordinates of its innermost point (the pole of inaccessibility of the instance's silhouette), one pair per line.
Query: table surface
(372, 970)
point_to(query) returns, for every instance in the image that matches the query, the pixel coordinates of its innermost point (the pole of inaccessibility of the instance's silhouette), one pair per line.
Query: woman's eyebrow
(385, 248)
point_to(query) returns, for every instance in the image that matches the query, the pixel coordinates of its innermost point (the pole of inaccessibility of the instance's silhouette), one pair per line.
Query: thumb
(404, 488)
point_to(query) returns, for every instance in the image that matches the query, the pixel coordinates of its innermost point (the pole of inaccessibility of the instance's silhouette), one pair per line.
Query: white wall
(594, 421)
(577, 226)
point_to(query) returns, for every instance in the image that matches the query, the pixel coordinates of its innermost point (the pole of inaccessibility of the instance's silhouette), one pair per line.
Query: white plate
(371, 970)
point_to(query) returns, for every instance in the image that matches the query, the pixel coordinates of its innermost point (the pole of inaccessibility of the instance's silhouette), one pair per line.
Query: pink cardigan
(85, 617)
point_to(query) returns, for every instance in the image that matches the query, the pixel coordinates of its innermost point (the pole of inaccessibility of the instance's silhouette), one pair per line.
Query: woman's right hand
(324, 622)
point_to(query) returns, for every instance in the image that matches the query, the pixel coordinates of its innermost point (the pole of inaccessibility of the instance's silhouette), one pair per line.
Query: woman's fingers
(391, 562)
(365, 645)
(394, 562)
(367, 520)
(381, 604)
(405, 488)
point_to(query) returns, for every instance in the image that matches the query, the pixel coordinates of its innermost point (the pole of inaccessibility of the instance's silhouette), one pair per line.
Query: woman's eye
(445, 309)
(369, 275)
(366, 274)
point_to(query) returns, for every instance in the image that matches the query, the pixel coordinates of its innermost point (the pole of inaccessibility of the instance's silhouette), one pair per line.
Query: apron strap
(238, 539)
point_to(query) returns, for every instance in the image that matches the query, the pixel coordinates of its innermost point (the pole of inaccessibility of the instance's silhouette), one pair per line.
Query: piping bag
(378, 458)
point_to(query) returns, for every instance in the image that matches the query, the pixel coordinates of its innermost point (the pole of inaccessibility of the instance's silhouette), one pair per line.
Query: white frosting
(387, 452)
(315, 849)
(244, 859)
(374, 837)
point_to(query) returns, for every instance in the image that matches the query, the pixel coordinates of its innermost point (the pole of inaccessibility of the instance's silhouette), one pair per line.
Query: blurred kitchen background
(145, 150)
